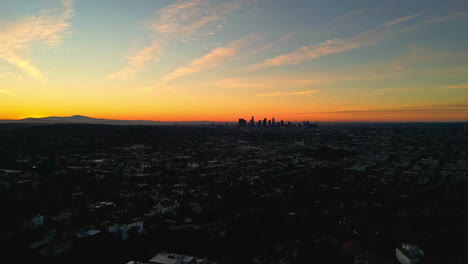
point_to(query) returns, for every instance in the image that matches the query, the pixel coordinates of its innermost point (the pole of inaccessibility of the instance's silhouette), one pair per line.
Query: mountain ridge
(80, 119)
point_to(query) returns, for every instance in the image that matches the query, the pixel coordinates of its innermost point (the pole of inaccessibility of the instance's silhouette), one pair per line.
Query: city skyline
(326, 61)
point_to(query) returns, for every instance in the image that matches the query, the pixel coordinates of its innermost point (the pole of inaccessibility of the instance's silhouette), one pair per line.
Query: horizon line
(234, 121)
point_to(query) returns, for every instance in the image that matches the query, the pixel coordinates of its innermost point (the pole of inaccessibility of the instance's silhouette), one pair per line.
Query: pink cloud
(308, 93)
(337, 45)
(137, 61)
(212, 59)
(17, 37)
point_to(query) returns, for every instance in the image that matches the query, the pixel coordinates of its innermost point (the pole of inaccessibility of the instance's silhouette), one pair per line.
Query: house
(167, 206)
(123, 230)
(35, 221)
(409, 254)
(365, 258)
(170, 258)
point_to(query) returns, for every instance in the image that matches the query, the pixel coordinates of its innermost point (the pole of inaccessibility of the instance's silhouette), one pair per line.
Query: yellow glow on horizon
(186, 65)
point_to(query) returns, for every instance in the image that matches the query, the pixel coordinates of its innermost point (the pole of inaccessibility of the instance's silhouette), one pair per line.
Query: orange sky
(223, 60)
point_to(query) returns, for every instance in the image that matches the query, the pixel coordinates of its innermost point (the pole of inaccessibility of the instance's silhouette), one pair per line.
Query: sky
(220, 60)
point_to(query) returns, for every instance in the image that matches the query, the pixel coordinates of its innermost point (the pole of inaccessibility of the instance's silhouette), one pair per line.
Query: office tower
(242, 122)
(252, 122)
(273, 122)
(264, 122)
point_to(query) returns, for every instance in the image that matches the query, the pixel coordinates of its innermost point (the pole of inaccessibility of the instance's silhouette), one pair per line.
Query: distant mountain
(78, 119)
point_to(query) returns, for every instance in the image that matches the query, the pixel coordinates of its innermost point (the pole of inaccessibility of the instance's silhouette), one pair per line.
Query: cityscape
(272, 123)
(365, 193)
(234, 131)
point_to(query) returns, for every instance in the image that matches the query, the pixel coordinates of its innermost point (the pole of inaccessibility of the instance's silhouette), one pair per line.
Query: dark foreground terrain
(80, 193)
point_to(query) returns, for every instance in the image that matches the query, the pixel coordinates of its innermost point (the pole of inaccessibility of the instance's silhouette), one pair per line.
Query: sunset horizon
(234, 131)
(222, 60)
(258, 117)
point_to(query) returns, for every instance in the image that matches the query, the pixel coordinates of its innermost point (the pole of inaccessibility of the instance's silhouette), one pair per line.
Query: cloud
(447, 71)
(185, 18)
(268, 82)
(336, 45)
(385, 91)
(212, 59)
(449, 17)
(289, 36)
(444, 112)
(309, 93)
(11, 76)
(447, 108)
(417, 62)
(399, 67)
(137, 61)
(401, 20)
(17, 37)
(461, 86)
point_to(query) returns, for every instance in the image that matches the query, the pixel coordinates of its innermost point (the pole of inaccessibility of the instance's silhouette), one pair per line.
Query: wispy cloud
(449, 17)
(447, 71)
(181, 20)
(10, 75)
(17, 37)
(268, 82)
(417, 62)
(461, 86)
(308, 93)
(187, 17)
(137, 61)
(444, 112)
(385, 91)
(401, 20)
(407, 64)
(445, 108)
(212, 59)
(337, 45)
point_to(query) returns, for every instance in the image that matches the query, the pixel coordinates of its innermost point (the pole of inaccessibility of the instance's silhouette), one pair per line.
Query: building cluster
(171, 258)
(337, 193)
(272, 123)
(409, 254)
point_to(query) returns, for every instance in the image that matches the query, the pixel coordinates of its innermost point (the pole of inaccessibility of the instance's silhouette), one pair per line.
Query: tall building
(252, 122)
(273, 122)
(242, 122)
(264, 122)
